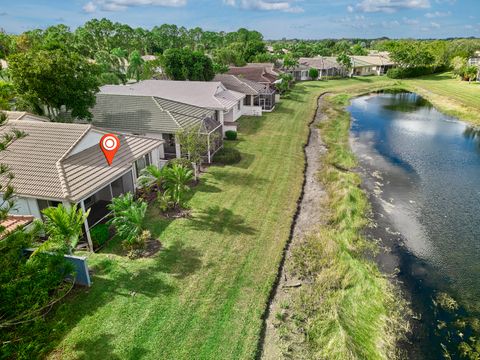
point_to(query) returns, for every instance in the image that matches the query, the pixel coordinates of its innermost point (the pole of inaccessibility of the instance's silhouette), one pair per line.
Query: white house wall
(91, 139)
(26, 206)
(252, 110)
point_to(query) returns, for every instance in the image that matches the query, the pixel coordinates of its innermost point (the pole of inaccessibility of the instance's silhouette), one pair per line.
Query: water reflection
(429, 164)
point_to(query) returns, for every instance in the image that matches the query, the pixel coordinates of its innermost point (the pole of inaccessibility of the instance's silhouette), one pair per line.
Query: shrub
(227, 156)
(100, 235)
(164, 201)
(403, 73)
(231, 135)
(182, 162)
(313, 73)
(176, 183)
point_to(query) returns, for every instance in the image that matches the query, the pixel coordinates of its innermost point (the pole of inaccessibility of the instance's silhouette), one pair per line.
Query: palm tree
(128, 217)
(63, 227)
(177, 178)
(152, 175)
(135, 66)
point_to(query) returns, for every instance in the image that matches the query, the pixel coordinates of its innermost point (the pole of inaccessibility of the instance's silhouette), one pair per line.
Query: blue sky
(309, 19)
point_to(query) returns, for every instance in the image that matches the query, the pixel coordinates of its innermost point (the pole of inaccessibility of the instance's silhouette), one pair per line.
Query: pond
(422, 171)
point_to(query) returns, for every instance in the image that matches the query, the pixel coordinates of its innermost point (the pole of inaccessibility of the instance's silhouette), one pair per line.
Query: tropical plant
(128, 217)
(100, 234)
(63, 226)
(164, 201)
(151, 175)
(290, 62)
(135, 67)
(345, 61)
(176, 183)
(285, 83)
(231, 135)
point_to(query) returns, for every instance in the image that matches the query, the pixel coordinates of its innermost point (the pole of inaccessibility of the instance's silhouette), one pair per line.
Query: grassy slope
(205, 292)
(454, 97)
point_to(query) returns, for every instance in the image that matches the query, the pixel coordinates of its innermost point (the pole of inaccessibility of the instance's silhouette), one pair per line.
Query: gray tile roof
(23, 115)
(145, 114)
(203, 94)
(243, 85)
(43, 168)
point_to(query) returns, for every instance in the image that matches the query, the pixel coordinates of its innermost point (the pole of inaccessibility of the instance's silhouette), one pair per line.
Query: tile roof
(13, 222)
(203, 94)
(145, 114)
(253, 73)
(242, 85)
(43, 167)
(320, 62)
(375, 60)
(23, 115)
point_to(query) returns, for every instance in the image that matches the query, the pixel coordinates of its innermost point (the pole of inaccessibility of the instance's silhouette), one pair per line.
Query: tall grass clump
(346, 308)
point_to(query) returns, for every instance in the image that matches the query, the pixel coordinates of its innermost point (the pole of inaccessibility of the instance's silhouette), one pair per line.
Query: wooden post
(87, 228)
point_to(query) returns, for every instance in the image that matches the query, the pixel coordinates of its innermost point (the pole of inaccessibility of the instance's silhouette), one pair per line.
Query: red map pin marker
(109, 144)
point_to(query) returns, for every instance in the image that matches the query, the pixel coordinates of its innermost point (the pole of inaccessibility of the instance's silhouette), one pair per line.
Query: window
(43, 204)
(142, 163)
(248, 100)
(238, 105)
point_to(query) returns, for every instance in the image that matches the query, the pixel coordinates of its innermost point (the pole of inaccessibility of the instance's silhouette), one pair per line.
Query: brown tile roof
(13, 222)
(43, 167)
(253, 73)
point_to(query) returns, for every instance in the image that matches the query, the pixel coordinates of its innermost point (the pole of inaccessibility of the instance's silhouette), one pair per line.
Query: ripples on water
(429, 164)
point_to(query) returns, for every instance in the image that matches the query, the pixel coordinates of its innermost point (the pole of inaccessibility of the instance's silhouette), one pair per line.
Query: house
(259, 97)
(299, 72)
(143, 114)
(327, 66)
(204, 96)
(475, 59)
(60, 163)
(262, 73)
(373, 64)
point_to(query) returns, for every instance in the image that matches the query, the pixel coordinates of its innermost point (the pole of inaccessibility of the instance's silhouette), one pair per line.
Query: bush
(231, 135)
(227, 156)
(404, 73)
(100, 235)
(313, 73)
(182, 162)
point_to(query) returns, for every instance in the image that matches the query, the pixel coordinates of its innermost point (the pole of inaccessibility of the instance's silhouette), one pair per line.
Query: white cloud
(435, 25)
(410, 21)
(437, 14)
(350, 8)
(267, 5)
(119, 5)
(391, 6)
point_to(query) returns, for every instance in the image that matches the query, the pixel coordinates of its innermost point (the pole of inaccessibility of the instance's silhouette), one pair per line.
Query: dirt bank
(308, 217)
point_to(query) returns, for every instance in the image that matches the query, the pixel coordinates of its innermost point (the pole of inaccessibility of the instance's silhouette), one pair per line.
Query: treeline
(57, 68)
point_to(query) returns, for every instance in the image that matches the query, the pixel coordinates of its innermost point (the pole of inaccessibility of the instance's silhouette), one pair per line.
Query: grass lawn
(203, 295)
(455, 97)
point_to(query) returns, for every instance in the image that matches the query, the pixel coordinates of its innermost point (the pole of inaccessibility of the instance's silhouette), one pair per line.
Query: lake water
(422, 169)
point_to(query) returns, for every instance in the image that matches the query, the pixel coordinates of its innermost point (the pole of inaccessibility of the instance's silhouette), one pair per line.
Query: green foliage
(55, 79)
(100, 235)
(231, 135)
(194, 144)
(290, 61)
(227, 156)
(177, 179)
(285, 84)
(185, 64)
(63, 226)
(182, 162)
(345, 61)
(128, 217)
(412, 72)
(151, 175)
(135, 66)
(28, 289)
(313, 73)
(7, 93)
(164, 201)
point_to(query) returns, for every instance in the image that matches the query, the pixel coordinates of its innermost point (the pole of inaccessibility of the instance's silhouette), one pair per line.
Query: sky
(275, 19)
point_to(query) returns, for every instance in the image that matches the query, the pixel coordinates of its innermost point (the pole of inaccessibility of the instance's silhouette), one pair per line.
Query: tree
(290, 62)
(135, 66)
(177, 179)
(7, 94)
(6, 188)
(128, 217)
(50, 80)
(313, 73)
(63, 227)
(185, 64)
(471, 72)
(195, 145)
(285, 83)
(458, 64)
(345, 61)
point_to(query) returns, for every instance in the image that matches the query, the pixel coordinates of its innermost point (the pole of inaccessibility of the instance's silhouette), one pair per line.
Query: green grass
(203, 295)
(450, 95)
